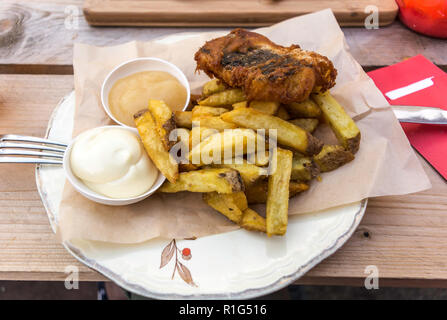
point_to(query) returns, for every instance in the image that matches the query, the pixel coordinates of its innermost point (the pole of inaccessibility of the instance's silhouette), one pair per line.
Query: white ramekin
(94, 196)
(130, 67)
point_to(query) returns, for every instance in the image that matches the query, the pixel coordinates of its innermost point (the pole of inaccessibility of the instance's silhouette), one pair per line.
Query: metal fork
(26, 149)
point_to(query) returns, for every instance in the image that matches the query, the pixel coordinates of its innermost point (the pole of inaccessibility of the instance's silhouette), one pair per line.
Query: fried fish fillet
(264, 70)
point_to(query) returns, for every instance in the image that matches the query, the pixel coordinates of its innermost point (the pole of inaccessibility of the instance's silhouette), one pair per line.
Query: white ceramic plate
(234, 265)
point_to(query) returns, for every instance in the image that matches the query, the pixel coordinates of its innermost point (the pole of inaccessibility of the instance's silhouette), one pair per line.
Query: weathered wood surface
(38, 36)
(211, 13)
(28, 248)
(404, 236)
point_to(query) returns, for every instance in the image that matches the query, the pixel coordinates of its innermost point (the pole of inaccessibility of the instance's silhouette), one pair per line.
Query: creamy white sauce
(112, 162)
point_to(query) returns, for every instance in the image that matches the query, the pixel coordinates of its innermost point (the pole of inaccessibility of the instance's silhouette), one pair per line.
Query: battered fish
(264, 70)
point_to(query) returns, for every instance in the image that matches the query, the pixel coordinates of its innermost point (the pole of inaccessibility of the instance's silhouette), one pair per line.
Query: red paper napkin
(418, 82)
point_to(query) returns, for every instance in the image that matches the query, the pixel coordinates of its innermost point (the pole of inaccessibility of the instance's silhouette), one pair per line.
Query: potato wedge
(224, 98)
(345, 129)
(307, 124)
(287, 134)
(230, 205)
(332, 157)
(213, 86)
(154, 145)
(224, 145)
(206, 180)
(257, 192)
(303, 169)
(282, 113)
(278, 193)
(249, 172)
(252, 221)
(164, 120)
(268, 107)
(306, 109)
(183, 119)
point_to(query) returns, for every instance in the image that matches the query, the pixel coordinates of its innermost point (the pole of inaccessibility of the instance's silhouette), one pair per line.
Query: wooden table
(404, 236)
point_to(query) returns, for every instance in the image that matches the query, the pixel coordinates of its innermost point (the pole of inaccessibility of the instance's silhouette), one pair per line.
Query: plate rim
(250, 293)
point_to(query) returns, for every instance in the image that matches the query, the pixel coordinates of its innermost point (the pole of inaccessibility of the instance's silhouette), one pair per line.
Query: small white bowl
(94, 196)
(130, 67)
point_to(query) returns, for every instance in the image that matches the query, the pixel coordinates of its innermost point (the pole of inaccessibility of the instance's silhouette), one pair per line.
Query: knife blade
(415, 114)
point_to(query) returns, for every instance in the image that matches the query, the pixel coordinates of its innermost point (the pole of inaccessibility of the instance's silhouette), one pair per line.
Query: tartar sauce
(112, 162)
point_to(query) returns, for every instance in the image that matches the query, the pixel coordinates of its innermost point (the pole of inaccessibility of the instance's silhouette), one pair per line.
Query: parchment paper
(384, 165)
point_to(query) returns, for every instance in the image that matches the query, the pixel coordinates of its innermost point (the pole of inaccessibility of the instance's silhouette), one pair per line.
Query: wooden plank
(404, 236)
(28, 247)
(389, 45)
(212, 13)
(40, 42)
(383, 282)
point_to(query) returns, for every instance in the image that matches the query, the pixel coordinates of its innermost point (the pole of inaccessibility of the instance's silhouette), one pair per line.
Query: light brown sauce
(132, 94)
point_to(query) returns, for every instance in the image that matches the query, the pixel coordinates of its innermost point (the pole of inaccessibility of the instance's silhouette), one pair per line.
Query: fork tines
(26, 149)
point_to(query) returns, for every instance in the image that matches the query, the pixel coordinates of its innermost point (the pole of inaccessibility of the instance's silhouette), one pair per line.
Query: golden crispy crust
(264, 70)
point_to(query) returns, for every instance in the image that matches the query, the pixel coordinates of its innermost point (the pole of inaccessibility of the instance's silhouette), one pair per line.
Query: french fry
(240, 200)
(268, 107)
(183, 119)
(306, 109)
(282, 113)
(345, 129)
(213, 86)
(206, 180)
(249, 172)
(193, 100)
(297, 187)
(199, 111)
(287, 134)
(303, 169)
(307, 124)
(154, 145)
(185, 167)
(242, 104)
(213, 123)
(181, 135)
(230, 205)
(332, 157)
(252, 221)
(180, 149)
(198, 134)
(257, 192)
(224, 98)
(261, 159)
(207, 117)
(278, 193)
(225, 144)
(164, 121)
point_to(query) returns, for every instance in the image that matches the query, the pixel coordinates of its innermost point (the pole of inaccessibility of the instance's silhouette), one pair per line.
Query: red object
(186, 253)
(429, 140)
(425, 16)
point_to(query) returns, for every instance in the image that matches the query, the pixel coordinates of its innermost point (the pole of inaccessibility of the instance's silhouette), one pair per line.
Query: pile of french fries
(222, 119)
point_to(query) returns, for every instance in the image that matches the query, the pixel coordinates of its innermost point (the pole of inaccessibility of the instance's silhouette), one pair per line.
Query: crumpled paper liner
(385, 164)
